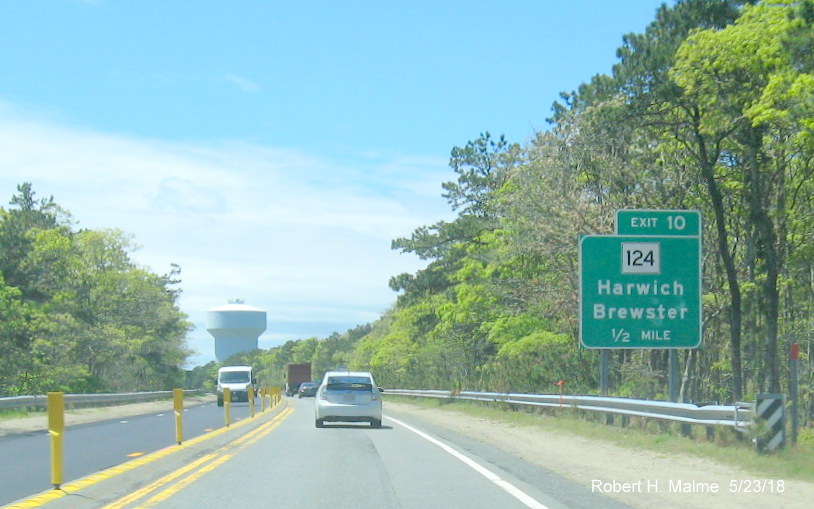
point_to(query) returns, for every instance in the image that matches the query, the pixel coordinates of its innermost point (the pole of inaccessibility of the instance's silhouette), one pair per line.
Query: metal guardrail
(87, 400)
(738, 416)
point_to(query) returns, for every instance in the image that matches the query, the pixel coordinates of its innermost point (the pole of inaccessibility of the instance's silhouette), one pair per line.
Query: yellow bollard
(227, 405)
(250, 397)
(56, 428)
(178, 407)
(262, 399)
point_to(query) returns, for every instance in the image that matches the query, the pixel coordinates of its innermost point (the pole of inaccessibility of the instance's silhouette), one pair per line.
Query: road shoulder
(39, 422)
(639, 478)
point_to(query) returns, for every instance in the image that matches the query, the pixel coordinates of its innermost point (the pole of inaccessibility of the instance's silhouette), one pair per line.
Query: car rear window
(349, 383)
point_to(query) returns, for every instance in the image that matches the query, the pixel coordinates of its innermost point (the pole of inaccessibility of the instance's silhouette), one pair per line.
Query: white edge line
(506, 486)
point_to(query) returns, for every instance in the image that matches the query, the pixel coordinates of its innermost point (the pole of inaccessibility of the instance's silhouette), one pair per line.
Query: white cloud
(185, 196)
(244, 84)
(297, 235)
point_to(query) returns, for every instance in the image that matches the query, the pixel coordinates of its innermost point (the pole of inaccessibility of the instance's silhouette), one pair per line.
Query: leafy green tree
(81, 315)
(27, 213)
(482, 167)
(14, 338)
(202, 377)
(725, 72)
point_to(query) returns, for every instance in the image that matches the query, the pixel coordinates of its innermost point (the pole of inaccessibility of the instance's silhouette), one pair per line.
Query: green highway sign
(658, 222)
(641, 291)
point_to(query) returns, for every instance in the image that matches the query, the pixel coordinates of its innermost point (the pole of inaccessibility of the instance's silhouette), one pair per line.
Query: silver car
(348, 396)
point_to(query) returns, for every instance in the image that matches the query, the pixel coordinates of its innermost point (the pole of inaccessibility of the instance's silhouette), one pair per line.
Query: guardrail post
(56, 428)
(227, 405)
(178, 408)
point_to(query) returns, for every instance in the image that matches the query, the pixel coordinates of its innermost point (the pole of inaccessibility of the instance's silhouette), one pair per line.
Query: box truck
(295, 375)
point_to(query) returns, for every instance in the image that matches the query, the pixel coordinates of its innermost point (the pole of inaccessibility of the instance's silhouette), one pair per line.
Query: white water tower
(235, 327)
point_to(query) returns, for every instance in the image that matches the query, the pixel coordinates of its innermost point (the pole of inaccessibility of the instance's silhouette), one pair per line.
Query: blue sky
(274, 149)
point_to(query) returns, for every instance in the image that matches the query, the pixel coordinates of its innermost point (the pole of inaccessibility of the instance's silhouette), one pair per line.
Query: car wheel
(319, 423)
(376, 424)
(220, 401)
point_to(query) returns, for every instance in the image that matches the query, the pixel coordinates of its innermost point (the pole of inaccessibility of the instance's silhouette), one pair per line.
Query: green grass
(726, 446)
(13, 414)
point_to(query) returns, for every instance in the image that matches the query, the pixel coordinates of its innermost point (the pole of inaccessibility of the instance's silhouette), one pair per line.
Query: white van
(237, 379)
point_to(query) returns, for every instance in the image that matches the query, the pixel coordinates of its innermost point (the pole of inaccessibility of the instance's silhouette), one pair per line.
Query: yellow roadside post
(56, 428)
(262, 399)
(250, 397)
(178, 407)
(227, 405)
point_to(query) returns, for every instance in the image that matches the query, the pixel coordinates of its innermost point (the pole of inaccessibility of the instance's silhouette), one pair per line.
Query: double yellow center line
(165, 487)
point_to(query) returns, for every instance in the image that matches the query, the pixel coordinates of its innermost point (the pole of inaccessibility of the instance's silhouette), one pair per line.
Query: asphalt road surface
(285, 461)
(95, 446)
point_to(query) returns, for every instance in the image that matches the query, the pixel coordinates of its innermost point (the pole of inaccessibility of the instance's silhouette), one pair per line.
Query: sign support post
(794, 360)
(674, 384)
(604, 371)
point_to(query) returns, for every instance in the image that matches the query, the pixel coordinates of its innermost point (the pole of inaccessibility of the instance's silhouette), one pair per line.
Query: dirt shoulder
(639, 478)
(39, 422)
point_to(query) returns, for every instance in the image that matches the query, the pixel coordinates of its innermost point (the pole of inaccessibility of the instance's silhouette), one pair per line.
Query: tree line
(711, 108)
(76, 313)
